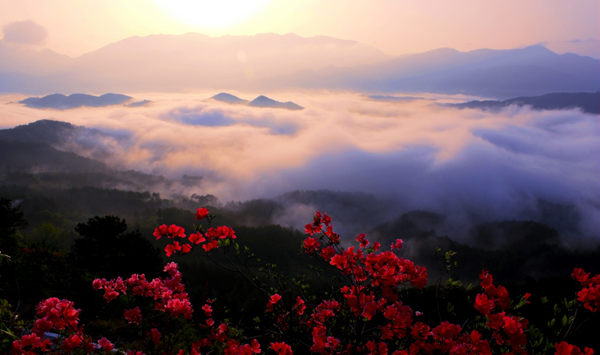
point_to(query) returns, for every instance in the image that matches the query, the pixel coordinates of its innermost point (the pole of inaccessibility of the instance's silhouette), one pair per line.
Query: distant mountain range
(178, 63)
(260, 101)
(485, 72)
(270, 61)
(587, 102)
(387, 98)
(62, 102)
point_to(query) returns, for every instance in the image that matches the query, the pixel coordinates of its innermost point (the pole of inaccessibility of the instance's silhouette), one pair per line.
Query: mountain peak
(263, 101)
(228, 98)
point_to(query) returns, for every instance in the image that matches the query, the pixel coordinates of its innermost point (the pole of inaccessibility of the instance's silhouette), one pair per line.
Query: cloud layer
(470, 165)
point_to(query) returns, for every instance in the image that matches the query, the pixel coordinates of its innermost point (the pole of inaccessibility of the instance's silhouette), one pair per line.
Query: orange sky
(394, 26)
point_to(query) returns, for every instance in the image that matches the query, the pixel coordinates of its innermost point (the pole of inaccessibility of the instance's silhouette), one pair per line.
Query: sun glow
(214, 14)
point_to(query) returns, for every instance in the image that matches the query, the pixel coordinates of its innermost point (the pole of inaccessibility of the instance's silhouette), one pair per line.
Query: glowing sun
(211, 13)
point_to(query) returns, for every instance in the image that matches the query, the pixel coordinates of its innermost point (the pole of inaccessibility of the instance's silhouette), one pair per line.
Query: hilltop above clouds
(62, 102)
(260, 101)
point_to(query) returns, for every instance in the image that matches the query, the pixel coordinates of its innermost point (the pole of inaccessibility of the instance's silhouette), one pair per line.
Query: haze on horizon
(396, 27)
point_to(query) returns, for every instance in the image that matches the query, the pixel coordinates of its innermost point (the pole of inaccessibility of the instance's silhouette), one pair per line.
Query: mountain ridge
(587, 102)
(504, 74)
(64, 102)
(270, 61)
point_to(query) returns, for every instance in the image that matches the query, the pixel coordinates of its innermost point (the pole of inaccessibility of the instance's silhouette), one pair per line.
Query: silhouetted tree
(11, 220)
(106, 250)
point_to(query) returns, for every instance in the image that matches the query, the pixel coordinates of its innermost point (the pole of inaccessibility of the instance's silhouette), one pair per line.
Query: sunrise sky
(394, 26)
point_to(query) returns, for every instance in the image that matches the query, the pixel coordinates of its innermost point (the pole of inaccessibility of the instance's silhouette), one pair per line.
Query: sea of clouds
(469, 165)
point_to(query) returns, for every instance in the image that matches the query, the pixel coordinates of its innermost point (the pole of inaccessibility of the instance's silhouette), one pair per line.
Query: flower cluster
(375, 278)
(590, 293)
(58, 315)
(169, 294)
(365, 315)
(563, 348)
(30, 344)
(208, 241)
(509, 329)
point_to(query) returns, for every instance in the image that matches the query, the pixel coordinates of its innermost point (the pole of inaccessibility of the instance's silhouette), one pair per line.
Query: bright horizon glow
(211, 14)
(396, 27)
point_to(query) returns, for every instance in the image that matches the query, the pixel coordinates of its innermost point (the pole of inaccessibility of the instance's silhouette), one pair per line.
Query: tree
(106, 249)
(11, 220)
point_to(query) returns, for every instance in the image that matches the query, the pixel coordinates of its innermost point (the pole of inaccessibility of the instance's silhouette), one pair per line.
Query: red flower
(590, 294)
(282, 348)
(299, 306)
(326, 219)
(274, 299)
(31, 340)
(397, 244)
(255, 346)
(201, 213)
(176, 231)
(224, 232)
(311, 244)
(328, 253)
(70, 343)
(483, 304)
(106, 345)
(60, 313)
(362, 240)
(155, 334)
(133, 315)
(161, 231)
(486, 278)
(196, 238)
(376, 246)
(213, 244)
(308, 229)
(172, 248)
(564, 348)
(370, 310)
(207, 310)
